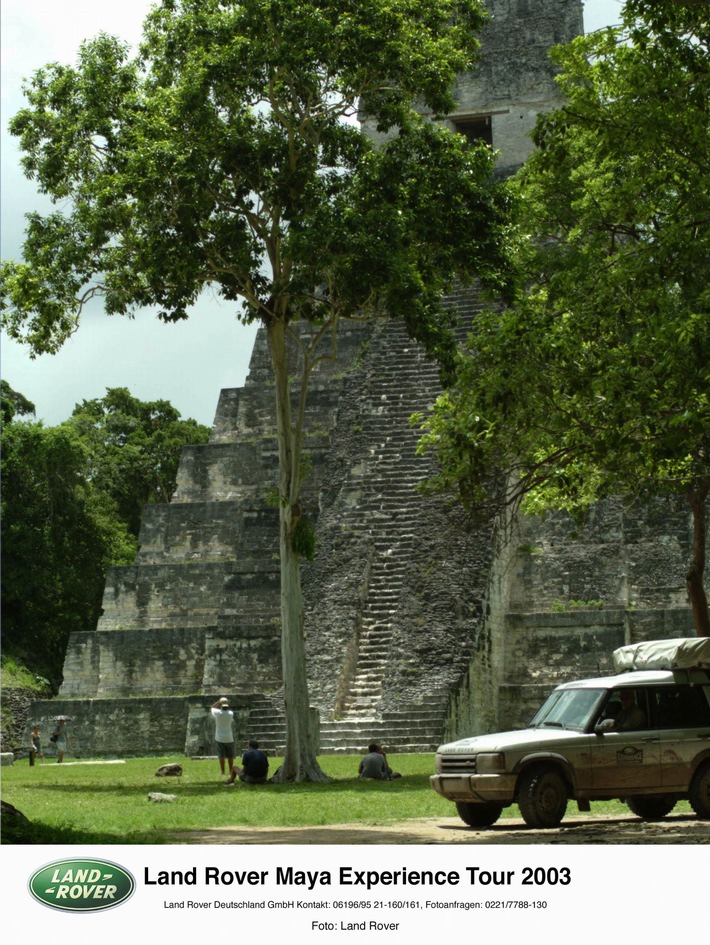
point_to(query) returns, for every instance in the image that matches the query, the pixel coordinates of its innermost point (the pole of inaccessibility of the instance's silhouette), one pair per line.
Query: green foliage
(221, 155)
(17, 676)
(14, 404)
(71, 502)
(133, 449)
(559, 606)
(59, 538)
(597, 382)
(620, 306)
(303, 539)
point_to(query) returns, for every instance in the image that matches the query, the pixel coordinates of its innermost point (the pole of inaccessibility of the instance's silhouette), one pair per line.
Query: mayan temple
(420, 626)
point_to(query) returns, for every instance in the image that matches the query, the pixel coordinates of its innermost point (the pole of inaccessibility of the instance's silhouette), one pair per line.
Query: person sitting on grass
(374, 765)
(255, 766)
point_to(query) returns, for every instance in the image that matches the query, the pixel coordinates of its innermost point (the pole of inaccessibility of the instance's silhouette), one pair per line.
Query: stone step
(373, 671)
(374, 651)
(352, 726)
(354, 739)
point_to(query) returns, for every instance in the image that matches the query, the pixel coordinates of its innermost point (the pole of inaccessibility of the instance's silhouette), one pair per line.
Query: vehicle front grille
(458, 764)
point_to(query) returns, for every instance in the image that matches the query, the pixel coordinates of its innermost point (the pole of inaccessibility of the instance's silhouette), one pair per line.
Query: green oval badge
(82, 885)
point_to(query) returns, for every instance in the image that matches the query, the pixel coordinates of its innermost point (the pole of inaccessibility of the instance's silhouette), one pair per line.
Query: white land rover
(642, 736)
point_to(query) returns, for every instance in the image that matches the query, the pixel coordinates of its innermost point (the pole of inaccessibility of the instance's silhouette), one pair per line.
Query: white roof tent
(684, 653)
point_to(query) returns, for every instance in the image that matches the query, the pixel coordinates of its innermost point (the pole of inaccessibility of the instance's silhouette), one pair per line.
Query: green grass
(13, 675)
(108, 803)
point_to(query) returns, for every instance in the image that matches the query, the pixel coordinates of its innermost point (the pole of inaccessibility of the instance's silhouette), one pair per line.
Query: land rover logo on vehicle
(82, 885)
(629, 756)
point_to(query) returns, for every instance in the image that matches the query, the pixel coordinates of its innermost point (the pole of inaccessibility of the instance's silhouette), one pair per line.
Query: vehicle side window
(611, 709)
(614, 709)
(682, 706)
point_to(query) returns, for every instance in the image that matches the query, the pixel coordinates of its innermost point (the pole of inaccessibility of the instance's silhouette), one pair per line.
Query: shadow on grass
(40, 834)
(405, 785)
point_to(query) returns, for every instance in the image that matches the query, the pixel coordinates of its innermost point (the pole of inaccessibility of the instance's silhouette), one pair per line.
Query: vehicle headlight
(490, 762)
(437, 764)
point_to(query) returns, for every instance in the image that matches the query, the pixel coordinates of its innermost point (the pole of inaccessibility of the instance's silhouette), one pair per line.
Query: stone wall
(162, 663)
(514, 80)
(162, 726)
(563, 595)
(14, 732)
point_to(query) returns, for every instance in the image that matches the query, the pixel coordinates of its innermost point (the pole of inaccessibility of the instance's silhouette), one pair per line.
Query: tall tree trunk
(300, 762)
(694, 576)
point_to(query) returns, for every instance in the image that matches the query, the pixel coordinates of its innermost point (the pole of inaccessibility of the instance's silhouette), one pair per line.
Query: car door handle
(651, 738)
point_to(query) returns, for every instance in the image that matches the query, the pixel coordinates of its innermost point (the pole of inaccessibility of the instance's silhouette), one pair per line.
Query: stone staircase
(387, 515)
(385, 589)
(388, 512)
(413, 729)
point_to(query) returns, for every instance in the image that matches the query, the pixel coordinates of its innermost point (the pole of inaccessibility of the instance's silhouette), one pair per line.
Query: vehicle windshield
(568, 708)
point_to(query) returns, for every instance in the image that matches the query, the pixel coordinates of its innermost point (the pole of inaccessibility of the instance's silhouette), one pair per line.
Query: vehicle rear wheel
(542, 797)
(479, 815)
(699, 791)
(651, 808)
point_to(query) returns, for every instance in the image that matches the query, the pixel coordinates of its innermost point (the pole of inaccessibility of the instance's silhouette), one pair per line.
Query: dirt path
(576, 828)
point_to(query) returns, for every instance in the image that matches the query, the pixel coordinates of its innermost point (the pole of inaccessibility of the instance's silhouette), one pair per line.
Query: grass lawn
(108, 803)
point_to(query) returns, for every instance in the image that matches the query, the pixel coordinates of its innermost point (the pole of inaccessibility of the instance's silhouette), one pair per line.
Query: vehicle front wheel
(542, 797)
(479, 815)
(651, 808)
(699, 791)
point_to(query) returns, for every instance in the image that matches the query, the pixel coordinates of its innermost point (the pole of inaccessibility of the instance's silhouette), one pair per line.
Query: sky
(187, 363)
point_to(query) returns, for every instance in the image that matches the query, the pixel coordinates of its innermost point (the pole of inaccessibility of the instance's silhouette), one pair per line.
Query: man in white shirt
(223, 735)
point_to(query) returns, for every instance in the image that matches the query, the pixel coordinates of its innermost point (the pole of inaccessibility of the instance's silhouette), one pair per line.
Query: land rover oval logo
(78, 885)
